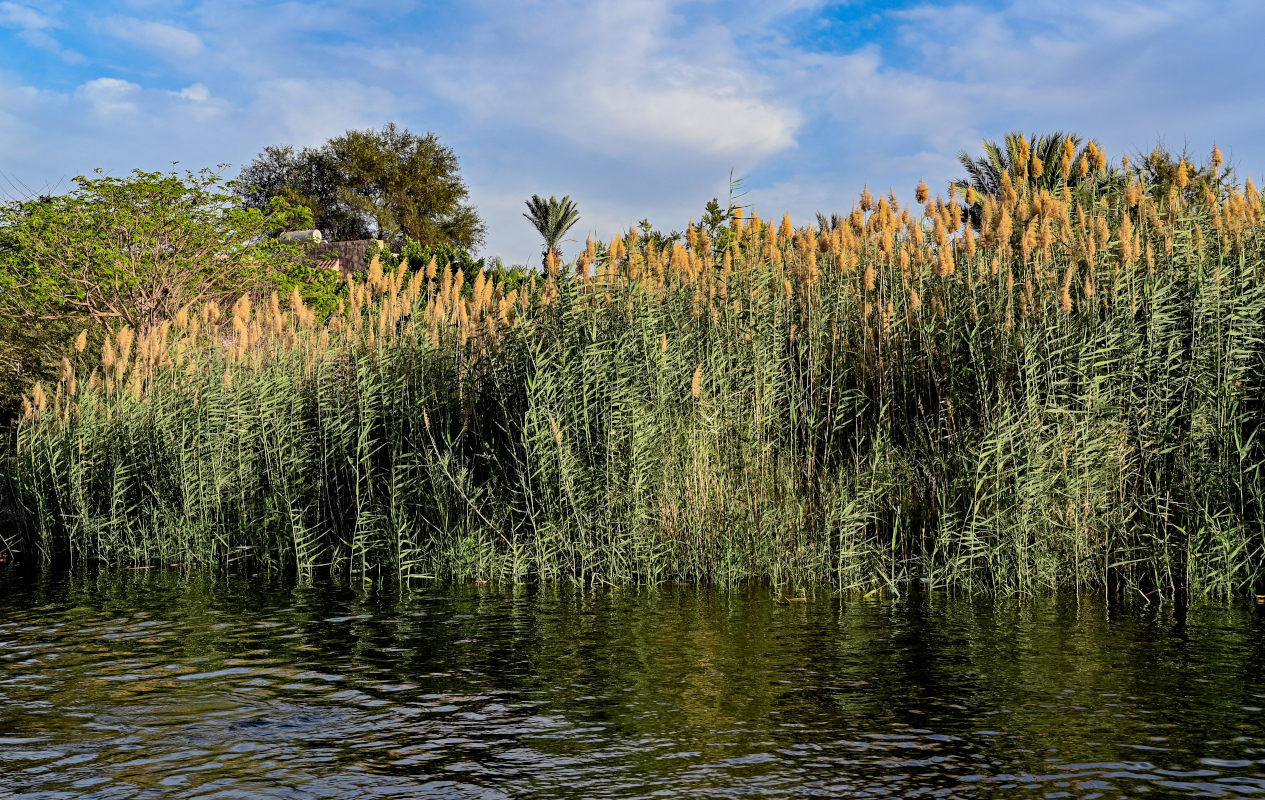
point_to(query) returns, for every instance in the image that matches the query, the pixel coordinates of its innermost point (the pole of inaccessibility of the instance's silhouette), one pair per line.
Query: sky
(637, 109)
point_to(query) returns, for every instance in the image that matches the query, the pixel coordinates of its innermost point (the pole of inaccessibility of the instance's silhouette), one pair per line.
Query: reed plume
(903, 418)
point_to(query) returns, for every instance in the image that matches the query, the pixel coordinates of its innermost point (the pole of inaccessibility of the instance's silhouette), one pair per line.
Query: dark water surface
(144, 684)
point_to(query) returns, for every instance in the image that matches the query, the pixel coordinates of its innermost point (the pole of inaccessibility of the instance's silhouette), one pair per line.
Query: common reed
(1068, 394)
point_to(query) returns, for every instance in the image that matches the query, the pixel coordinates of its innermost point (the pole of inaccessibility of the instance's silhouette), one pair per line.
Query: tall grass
(1071, 395)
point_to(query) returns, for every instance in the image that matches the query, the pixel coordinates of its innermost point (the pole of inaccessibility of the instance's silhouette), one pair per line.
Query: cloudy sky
(636, 108)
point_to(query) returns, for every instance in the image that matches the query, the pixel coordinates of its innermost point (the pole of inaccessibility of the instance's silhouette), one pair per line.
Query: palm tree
(828, 224)
(984, 173)
(552, 218)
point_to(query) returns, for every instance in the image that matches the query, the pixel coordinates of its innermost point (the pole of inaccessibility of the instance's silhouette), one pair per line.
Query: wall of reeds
(1068, 395)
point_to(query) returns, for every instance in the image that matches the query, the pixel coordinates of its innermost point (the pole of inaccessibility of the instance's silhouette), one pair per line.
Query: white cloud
(616, 114)
(35, 28)
(309, 111)
(620, 78)
(637, 108)
(110, 96)
(13, 15)
(196, 93)
(169, 40)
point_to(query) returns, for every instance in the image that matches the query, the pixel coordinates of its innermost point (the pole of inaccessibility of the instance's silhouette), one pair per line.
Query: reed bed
(1067, 394)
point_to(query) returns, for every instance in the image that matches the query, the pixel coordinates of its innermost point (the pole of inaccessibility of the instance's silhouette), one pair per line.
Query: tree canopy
(1163, 170)
(388, 184)
(1045, 160)
(552, 219)
(135, 250)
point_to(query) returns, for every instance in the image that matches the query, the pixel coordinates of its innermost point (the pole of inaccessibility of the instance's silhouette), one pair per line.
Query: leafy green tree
(717, 220)
(659, 239)
(510, 278)
(552, 219)
(31, 350)
(319, 287)
(135, 250)
(389, 184)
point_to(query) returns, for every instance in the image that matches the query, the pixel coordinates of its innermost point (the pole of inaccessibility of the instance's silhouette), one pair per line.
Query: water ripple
(118, 686)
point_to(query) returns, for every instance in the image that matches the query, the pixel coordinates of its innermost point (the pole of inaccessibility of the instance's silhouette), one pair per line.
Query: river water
(147, 684)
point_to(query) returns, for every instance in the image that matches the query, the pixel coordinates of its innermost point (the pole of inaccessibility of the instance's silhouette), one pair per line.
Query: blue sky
(636, 108)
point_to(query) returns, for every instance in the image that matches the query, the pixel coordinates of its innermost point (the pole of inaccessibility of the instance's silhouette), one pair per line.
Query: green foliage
(31, 350)
(660, 240)
(1014, 155)
(552, 219)
(134, 250)
(447, 256)
(319, 288)
(283, 215)
(1158, 171)
(390, 184)
(716, 221)
(511, 278)
(866, 409)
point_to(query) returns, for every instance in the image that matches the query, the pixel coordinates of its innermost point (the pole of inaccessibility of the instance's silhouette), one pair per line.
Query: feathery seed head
(1133, 195)
(867, 200)
(1008, 194)
(242, 307)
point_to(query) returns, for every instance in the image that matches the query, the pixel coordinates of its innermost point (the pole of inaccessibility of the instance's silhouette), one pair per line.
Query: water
(144, 684)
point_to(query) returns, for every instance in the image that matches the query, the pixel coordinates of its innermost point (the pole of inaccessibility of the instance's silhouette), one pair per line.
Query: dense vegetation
(132, 250)
(1067, 394)
(390, 184)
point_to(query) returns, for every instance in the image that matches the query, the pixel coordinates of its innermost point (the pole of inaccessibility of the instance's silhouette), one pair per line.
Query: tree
(418, 256)
(30, 350)
(390, 184)
(1025, 163)
(552, 219)
(717, 221)
(1046, 161)
(1162, 171)
(135, 250)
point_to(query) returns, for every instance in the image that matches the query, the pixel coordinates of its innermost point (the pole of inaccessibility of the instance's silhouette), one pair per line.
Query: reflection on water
(142, 684)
